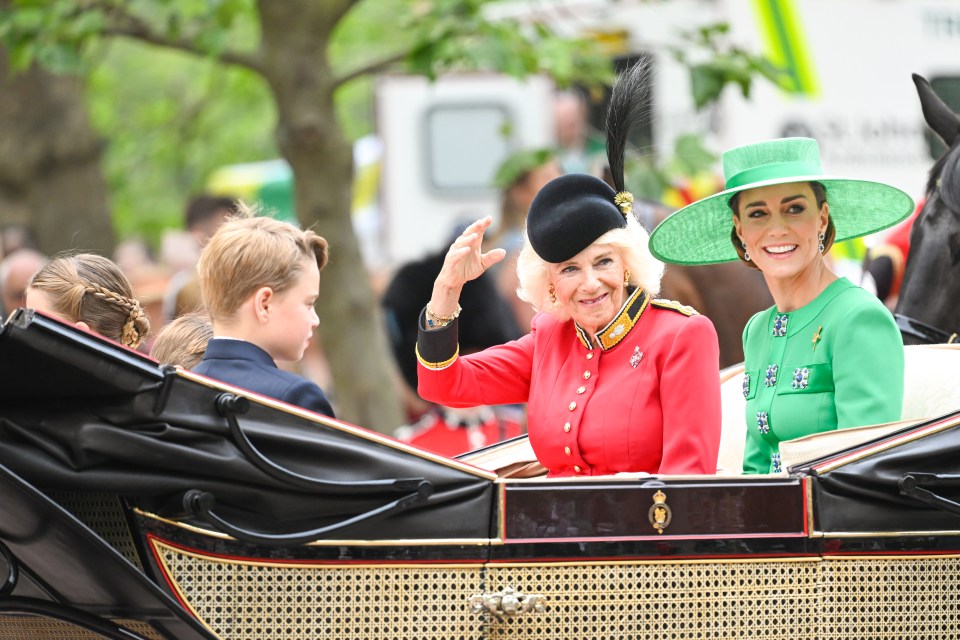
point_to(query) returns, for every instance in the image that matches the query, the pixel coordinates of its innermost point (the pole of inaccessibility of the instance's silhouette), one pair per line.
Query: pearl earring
(553, 294)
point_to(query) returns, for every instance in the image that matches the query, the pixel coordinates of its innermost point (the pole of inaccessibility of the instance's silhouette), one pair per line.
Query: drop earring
(746, 254)
(553, 294)
(626, 278)
(822, 235)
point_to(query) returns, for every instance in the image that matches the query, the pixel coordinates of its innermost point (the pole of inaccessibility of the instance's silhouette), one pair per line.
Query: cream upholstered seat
(733, 423)
(930, 389)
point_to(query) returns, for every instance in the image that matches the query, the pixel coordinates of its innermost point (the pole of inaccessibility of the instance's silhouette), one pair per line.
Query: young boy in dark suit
(260, 279)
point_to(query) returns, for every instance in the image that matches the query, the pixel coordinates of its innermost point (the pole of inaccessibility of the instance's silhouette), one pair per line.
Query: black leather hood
(81, 413)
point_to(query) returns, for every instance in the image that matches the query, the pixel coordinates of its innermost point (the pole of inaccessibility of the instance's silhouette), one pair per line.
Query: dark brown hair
(819, 192)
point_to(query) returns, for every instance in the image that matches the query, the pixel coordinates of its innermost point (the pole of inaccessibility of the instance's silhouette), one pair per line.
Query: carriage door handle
(507, 603)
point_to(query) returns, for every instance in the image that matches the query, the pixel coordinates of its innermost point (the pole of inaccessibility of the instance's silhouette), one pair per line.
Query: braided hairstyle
(86, 287)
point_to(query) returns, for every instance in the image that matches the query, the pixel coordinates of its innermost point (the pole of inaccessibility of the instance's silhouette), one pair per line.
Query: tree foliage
(715, 62)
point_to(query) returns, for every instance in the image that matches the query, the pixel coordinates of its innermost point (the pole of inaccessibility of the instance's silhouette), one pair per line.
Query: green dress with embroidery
(835, 363)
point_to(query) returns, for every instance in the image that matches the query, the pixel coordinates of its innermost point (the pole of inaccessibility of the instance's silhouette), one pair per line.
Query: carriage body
(234, 516)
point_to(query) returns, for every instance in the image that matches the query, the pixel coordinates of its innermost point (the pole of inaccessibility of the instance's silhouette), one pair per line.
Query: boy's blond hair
(86, 287)
(184, 341)
(249, 252)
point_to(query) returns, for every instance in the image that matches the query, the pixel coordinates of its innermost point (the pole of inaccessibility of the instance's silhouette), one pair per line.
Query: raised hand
(464, 262)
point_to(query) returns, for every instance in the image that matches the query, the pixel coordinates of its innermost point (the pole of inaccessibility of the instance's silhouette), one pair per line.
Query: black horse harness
(929, 334)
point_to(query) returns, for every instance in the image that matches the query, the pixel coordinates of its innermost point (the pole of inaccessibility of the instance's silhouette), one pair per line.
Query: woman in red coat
(615, 380)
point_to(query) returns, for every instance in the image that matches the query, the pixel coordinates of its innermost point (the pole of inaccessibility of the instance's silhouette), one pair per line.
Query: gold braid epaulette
(686, 310)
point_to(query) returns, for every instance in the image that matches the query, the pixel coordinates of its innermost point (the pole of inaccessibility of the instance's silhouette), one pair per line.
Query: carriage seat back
(930, 389)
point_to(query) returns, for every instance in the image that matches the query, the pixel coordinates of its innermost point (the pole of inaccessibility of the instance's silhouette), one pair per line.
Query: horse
(928, 309)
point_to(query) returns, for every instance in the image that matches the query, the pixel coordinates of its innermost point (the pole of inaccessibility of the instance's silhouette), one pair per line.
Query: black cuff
(437, 348)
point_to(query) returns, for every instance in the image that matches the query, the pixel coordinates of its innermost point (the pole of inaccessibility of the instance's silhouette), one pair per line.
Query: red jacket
(648, 400)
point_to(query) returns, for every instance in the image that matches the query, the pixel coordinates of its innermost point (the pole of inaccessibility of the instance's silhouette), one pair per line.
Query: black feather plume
(626, 108)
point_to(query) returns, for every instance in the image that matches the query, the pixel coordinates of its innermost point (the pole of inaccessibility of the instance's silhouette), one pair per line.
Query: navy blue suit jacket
(243, 364)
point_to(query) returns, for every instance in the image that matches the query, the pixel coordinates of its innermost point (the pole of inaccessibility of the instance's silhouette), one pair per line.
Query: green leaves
(50, 33)
(466, 35)
(653, 179)
(714, 63)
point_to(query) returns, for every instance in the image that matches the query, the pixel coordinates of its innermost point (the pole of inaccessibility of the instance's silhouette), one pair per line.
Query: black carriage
(146, 502)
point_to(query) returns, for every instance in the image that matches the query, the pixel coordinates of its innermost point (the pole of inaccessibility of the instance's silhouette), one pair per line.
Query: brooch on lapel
(636, 357)
(816, 337)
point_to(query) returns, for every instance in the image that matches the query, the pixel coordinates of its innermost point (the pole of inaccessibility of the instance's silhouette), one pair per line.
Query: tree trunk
(50, 174)
(295, 34)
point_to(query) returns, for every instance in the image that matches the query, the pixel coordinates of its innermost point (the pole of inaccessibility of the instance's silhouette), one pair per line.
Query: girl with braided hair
(91, 292)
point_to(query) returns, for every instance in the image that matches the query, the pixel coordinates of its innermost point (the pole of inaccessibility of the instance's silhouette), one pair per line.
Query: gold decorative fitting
(660, 514)
(624, 200)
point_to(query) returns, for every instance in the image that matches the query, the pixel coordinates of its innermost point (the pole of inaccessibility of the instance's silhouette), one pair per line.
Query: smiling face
(781, 225)
(589, 286)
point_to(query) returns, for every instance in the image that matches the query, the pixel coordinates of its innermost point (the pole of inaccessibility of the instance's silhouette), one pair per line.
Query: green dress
(834, 363)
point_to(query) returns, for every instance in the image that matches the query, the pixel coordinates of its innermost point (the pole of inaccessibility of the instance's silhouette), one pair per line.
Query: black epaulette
(686, 310)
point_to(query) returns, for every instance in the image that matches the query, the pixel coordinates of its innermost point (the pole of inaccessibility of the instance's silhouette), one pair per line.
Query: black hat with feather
(570, 212)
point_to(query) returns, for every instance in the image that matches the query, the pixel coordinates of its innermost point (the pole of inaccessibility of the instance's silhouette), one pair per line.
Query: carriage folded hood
(80, 413)
(905, 481)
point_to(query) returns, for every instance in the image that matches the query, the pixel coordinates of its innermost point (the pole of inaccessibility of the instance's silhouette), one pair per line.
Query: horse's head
(928, 309)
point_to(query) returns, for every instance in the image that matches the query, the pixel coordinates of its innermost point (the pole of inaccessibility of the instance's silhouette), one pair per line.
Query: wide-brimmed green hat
(700, 232)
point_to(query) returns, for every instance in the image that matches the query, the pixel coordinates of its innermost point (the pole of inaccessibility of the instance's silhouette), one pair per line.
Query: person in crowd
(520, 177)
(260, 279)
(615, 380)
(579, 151)
(91, 292)
(183, 341)
(15, 236)
(203, 216)
(886, 261)
(828, 354)
(16, 269)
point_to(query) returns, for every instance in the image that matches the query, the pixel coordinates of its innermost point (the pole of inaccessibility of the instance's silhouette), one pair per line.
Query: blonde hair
(248, 252)
(630, 243)
(89, 288)
(184, 341)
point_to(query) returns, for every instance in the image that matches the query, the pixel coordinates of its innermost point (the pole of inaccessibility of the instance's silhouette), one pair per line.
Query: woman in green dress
(828, 354)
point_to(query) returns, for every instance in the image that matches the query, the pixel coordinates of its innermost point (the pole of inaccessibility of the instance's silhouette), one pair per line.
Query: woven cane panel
(243, 601)
(104, 514)
(664, 601)
(17, 627)
(902, 597)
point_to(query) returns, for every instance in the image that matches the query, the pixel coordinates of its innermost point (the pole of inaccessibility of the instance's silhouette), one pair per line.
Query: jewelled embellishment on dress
(636, 357)
(746, 385)
(771, 379)
(763, 423)
(777, 465)
(780, 325)
(801, 378)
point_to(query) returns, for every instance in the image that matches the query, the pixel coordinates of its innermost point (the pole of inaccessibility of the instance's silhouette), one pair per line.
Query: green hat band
(773, 171)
